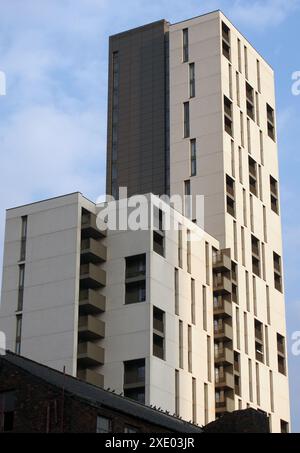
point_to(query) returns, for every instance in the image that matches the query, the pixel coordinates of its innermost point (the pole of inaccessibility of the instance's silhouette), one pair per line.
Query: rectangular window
(261, 195)
(186, 119)
(252, 176)
(204, 300)
(259, 341)
(158, 233)
(190, 350)
(176, 284)
(268, 304)
(246, 61)
(226, 41)
(257, 109)
(181, 344)
(230, 195)
(228, 117)
(242, 129)
(277, 272)
(185, 45)
(193, 153)
(134, 380)
(209, 376)
(235, 240)
(238, 95)
(246, 332)
(130, 430)
(180, 246)
(241, 165)
(239, 55)
(271, 122)
(238, 328)
(207, 263)
(274, 195)
(254, 295)
(194, 397)
(21, 286)
(243, 246)
(245, 208)
(158, 333)
(249, 135)
(263, 261)
(247, 290)
(135, 279)
(258, 76)
(192, 80)
(193, 301)
(19, 320)
(7, 407)
(281, 354)
(177, 393)
(103, 425)
(250, 380)
(23, 238)
(257, 384)
(206, 417)
(271, 391)
(187, 199)
(230, 80)
(232, 159)
(251, 213)
(267, 346)
(261, 145)
(250, 101)
(284, 427)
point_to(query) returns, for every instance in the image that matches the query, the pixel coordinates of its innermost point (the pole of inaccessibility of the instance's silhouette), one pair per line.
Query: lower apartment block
(149, 313)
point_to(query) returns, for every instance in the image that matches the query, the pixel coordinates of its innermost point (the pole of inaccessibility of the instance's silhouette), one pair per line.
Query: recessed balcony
(223, 332)
(92, 276)
(91, 302)
(222, 285)
(222, 261)
(222, 307)
(92, 251)
(89, 354)
(90, 328)
(91, 376)
(89, 227)
(225, 405)
(225, 380)
(224, 356)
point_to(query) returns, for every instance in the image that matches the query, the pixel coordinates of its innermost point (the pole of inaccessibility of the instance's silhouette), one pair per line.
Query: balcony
(222, 285)
(92, 251)
(90, 328)
(224, 356)
(225, 380)
(91, 377)
(92, 276)
(222, 261)
(225, 405)
(223, 332)
(222, 307)
(89, 227)
(91, 302)
(89, 354)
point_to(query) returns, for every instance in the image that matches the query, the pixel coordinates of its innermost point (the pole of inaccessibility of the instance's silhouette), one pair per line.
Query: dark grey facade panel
(140, 116)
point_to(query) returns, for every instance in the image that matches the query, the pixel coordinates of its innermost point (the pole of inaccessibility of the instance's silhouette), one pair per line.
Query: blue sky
(53, 118)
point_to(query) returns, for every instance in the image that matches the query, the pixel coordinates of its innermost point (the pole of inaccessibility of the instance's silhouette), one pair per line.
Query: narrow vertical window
(190, 350)
(258, 76)
(192, 80)
(239, 55)
(206, 417)
(251, 213)
(21, 286)
(245, 207)
(177, 394)
(193, 301)
(23, 238)
(246, 332)
(226, 41)
(257, 384)
(237, 82)
(230, 80)
(271, 391)
(246, 61)
(204, 301)
(232, 159)
(176, 284)
(249, 135)
(250, 380)
(187, 199)
(158, 333)
(247, 290)
(263, 260)
(185, 42)
(194, 397)
(238, 329)
(186, 117)
(19, 320)
(180, 344)
(193, 152)
(242, 129)
(271, 122)
(243, 246)
(241, 165)
(254, 295)
(235, 244)
(189, 251)
(180, 246)
(265, 224)
(207, 262)
(257, 109)
(268, 304)
(261, 146)
(267, 346)
(209, 374)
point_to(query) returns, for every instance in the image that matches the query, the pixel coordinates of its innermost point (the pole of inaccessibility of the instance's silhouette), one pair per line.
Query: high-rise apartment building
(197, 328)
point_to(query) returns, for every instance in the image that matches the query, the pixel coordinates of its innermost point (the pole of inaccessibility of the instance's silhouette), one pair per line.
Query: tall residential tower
(197, 328)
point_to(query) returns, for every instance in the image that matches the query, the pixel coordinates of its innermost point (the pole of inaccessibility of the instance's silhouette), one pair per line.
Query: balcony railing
(90, 328)
(92, 276)
(92, 251)
(222, 284)
(224, 380)
(89, 354)
(91, 377)
(91, 302)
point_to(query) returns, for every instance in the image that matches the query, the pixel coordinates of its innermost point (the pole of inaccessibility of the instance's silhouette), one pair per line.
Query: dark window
(134, 380)
(277, 272)
(7, 411)
(271, 122)
(103, 425)
(185, 42)
(226, 41)
(186, 115)
(23, 238)
(255, 255)
(259, 341)
(158, 333)
(281, 354)
(230, 194)
(135, 279)
(228, 119)
(274, 195)
(284, 427)
(192, 81)
(252, 176)
(19, 320)
(250, 101)
(193, 157)
(130, 430)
